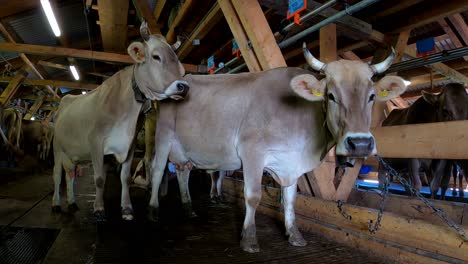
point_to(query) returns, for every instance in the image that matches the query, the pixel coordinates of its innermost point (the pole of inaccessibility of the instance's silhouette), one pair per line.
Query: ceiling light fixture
(74, 72)
(51, 17)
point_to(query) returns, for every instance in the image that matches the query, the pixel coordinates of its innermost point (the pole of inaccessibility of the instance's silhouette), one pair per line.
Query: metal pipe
(238, 68)
(311, 14)
(438, 57)
(229, 63)
(348, 11)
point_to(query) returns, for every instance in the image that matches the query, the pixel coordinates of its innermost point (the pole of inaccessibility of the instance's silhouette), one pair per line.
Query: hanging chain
(383, 197)
(342, 211)
(415, 192)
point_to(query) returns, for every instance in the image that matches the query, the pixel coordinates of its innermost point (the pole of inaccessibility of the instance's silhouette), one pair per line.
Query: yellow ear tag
(383, 93)
(317, 93)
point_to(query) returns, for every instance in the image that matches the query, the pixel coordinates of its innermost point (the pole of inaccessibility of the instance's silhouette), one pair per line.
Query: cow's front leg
(414, 174)
(183, 175)
(289, 199)
(252, 194)
(125, 203)
(97, 158)
(158, 165)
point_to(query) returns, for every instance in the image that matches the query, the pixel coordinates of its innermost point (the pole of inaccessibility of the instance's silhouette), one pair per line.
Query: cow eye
(156, 57)
(372, 98)
(331, 97)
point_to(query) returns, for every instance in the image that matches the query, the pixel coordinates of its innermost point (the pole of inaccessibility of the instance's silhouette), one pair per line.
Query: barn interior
(334, 207)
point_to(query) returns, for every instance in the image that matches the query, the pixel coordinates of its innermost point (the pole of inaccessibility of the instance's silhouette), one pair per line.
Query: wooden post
(239, 34)
(113, 16)
(34, 108)
(12, 87)
(259, 32)
(328, 51)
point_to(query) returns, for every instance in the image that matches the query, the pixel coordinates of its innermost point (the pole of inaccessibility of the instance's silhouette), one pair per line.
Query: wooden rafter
(144, 11)
(34, 108)
(113, 21)
(14, 84)
(208, 22)
(74, 85)
(453, 37)
(460, 25)
(183, 11)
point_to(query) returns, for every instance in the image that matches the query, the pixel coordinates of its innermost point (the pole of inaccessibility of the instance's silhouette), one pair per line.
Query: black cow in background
(450, 105)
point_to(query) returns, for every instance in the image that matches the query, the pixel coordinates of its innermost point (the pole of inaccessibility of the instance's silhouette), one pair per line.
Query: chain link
(415, 192)
(342, 211)
(383, 197)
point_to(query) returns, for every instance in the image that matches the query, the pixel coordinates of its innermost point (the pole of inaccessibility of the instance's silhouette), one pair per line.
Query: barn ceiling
(110, 25)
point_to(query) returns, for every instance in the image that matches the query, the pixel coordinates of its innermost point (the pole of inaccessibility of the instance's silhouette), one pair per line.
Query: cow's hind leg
(289, 199)
(252, 193)
(70, 176)
(97, 158)
(57, 176)
(183, 176)
(126, 204)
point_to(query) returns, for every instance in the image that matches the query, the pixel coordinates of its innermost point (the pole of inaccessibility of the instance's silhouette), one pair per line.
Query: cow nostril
(350, 143)
(181, 87)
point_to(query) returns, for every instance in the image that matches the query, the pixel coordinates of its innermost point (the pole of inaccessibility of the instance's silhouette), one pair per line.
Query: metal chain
(383, 196)
(342, 211)
(438, 211)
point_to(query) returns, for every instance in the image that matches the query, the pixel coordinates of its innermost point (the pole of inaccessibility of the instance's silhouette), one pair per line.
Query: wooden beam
(53, 65)
(430, 14)
(398, 238)
(23, 56)
(347, 182)
(259, 32)
(14, 84)
(443, 140)
(328, 46)
(396, 7)
(207, 23)
(239, 34)
(460, 25)
(400, 45)
(349, 55)
(34, 108)
(321, 180)
(144, 11)
(183, 11)
(453, 37)
(74, 85)
(158, 9)
(113, 21)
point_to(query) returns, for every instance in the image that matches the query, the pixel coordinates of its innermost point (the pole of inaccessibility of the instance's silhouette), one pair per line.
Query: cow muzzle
(177, 90)
(356, 145)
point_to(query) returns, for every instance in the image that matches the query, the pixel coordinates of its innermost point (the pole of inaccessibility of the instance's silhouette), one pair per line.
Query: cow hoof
(127, 214)
(214, 199)
(250, 245)
(56, 209)
(100, 216)
(73, 208)
(295, 237)
(153, 214)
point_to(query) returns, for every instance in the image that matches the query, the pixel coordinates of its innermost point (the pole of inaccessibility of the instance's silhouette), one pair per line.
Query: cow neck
(139, 95)
(328, 135)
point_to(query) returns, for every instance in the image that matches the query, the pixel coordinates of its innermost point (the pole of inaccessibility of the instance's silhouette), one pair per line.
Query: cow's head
(451, 103)
(349, 93)
(158, 71)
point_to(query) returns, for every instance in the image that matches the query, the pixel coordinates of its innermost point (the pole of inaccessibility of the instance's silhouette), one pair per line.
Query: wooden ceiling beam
(34, 108)
(453, 37)
(207, 23)
(73, 85)
(23, 56)
(460, 25)
(349, 55)
(431, 14)
(183, 11)
(113, 21)
(158, 9)
(144, 11)
(12, 88)
(395, 8)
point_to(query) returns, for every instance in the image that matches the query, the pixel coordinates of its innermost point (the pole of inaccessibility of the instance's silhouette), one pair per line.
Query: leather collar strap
(139, 96)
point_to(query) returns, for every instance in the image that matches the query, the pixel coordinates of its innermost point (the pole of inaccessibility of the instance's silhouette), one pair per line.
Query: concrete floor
(212, 237)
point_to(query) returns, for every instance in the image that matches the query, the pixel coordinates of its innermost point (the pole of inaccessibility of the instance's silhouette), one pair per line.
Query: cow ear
(430, 97)
(308, 87)
(136, 50)
(389, 87)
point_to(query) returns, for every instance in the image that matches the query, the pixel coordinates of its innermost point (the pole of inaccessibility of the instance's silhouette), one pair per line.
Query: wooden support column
(34, 108)
(259, 33)
(113, 17)
(328, 51)
(12, 87)
(239, 34)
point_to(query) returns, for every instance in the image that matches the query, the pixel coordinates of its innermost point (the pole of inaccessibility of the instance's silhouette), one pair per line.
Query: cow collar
(139, 96)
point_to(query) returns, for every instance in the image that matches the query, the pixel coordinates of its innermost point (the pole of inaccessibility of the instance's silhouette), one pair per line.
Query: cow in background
(104, 121)
(451, 104)
(12, 120)
(282, 120)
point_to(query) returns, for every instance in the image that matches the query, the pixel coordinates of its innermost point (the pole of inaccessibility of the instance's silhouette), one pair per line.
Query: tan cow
(12, 119)
(103, 122)
(282, 120)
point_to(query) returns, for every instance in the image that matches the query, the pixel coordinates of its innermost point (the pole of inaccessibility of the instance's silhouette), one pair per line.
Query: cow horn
(313, 62)
(384, 65)
(177, 44)
(144, 31)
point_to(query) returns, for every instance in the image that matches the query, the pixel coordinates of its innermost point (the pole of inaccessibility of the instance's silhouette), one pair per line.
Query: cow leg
(125, 203)
(158, 165)
(219, 185)
(439, 170)
(252, 193)
(455, 175)
(70, 176)
(213, 192)
(57, 176)
(97, 158)
(183, 177)
(289, 199)
(414, 174)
